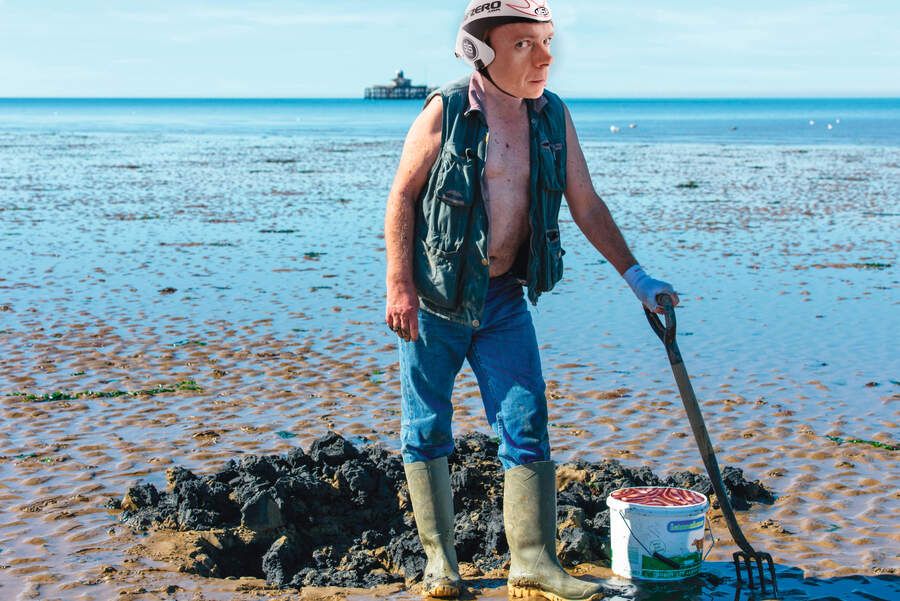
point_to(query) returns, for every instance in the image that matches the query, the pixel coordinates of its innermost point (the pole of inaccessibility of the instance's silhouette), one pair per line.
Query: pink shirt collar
(477, 93)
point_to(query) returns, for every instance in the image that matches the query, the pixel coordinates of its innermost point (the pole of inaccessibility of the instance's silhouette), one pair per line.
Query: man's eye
(522, 44)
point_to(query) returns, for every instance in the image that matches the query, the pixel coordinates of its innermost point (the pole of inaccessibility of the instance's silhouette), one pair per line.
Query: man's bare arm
(588, 209)
(593, 217)
(419, 153)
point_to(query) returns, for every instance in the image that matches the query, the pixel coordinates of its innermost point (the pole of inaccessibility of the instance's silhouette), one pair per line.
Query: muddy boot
(529, 515)
(432, 500)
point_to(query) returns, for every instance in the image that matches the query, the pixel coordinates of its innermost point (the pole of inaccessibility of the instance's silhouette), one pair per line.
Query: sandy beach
(180, 301)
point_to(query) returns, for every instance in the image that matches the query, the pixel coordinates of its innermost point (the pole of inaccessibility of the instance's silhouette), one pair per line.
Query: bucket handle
(654, 554)
(712, 538)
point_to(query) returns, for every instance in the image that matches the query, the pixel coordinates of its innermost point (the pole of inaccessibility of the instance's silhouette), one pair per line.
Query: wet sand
(235, 302)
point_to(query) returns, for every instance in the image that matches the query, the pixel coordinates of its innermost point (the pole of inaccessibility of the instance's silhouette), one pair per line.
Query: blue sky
(334, 48)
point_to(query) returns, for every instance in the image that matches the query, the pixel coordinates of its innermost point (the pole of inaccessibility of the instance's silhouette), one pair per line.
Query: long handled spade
(747, 554)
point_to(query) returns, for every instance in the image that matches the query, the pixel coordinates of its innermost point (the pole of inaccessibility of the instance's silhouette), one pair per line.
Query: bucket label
(654, 568)
(685, 525)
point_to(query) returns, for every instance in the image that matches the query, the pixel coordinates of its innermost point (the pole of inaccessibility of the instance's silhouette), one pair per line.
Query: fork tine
(736, 556)
(759, 567)
(749, 566)
(771, 563)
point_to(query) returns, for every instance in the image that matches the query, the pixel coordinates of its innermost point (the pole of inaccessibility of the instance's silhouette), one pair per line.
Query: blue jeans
(503, 353)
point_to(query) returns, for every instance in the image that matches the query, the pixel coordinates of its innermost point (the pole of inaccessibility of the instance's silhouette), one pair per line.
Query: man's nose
(544, 57)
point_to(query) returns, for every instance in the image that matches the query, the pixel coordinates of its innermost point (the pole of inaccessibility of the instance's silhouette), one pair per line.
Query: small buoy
(632, 125)
(811, 122)
(734, 128)
(830, 126)
(613, 129)
(838, 121)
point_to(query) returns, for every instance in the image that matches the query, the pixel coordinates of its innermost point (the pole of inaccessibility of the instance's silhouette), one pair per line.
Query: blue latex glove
(646, 288)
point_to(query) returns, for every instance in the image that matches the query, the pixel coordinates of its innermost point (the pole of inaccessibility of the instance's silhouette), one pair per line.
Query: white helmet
(482, 15)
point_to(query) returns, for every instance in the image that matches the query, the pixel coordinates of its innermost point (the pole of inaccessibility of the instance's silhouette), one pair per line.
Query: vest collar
(477, 94)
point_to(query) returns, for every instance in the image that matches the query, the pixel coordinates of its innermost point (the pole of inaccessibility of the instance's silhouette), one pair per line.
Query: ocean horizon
(782, 121)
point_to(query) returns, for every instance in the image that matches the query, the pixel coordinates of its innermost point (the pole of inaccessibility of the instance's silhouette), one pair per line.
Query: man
(472, 217)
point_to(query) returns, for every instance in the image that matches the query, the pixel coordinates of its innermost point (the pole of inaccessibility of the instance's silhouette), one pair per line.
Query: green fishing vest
(450, 255)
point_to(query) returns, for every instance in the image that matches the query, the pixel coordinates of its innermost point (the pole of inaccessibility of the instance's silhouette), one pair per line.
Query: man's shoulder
(454, 94)
(456, 86)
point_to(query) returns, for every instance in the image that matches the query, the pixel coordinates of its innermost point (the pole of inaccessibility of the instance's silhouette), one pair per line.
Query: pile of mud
(341, 516)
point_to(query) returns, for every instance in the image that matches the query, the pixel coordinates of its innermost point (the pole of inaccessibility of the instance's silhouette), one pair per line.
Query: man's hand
(646, 288)
(419, 155)
(402, 314)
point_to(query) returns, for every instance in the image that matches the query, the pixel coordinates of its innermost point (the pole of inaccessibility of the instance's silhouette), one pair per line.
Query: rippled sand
(231, 289)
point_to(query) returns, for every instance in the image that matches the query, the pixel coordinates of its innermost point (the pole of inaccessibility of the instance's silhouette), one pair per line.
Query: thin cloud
(140, 17)
(297, 18)
(129, 61)
(256, 17)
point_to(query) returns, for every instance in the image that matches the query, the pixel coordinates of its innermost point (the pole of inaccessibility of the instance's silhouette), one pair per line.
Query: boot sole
(443, 591)
(523, 592)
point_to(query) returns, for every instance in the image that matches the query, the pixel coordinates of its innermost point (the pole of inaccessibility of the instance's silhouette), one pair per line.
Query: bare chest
(508, 154)
(507, 173)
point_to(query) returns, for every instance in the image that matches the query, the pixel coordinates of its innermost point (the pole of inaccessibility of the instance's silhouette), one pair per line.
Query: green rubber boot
(432, 501)
(529, 515)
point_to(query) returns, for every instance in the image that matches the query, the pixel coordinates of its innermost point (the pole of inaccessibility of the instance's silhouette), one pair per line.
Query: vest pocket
(448, 217)
(553, 262)
(437, 274)
(553, 166)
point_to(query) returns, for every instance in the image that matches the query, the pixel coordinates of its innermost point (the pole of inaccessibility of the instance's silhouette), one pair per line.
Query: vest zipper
(486, 201)
(487, 213)
(532, 124)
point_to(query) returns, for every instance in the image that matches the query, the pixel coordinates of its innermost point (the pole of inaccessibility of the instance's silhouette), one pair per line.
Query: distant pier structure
(400, 88)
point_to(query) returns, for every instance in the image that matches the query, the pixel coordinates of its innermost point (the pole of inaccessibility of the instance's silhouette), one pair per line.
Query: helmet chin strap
(484, 72)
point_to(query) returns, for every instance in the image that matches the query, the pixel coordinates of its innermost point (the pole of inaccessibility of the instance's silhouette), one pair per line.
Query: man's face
(523, 58)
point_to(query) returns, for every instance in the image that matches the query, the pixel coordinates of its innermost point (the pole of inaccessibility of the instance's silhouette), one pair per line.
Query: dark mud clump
(339, 515)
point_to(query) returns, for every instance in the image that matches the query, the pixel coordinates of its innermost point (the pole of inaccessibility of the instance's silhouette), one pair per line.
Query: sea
(820, 121)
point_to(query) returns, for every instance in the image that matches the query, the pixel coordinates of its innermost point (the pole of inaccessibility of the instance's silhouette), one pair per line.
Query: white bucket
(661, 520)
